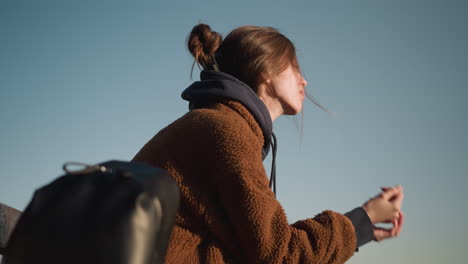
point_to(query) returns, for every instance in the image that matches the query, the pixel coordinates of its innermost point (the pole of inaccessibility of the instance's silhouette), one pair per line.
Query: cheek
(279, 89)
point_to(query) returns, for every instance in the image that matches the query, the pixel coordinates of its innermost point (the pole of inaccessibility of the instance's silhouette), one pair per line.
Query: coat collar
(215, 86)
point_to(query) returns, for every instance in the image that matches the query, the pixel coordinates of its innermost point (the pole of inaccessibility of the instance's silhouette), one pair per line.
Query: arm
(258, 220)
(362, 225)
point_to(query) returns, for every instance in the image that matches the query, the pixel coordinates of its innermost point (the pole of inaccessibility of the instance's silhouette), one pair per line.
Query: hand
(385, 207)
(382, 233)
(395, 196)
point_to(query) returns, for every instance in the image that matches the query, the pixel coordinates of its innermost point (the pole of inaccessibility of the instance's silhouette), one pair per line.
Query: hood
(214, 85)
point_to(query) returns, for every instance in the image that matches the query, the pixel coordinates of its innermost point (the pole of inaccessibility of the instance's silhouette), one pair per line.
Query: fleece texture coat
(228, 214)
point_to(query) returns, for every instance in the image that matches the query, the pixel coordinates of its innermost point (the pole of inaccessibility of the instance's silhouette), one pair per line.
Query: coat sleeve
(258, 220)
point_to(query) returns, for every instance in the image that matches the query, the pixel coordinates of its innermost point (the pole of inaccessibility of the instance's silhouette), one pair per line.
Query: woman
(228, 213)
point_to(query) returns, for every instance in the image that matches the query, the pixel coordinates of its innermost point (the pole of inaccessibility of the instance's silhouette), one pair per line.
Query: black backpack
(113, 212)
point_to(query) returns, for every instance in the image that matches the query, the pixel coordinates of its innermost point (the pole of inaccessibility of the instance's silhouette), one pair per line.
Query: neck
(272, 106)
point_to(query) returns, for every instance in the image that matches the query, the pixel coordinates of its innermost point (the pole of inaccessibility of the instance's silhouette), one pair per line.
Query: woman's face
(287, 88)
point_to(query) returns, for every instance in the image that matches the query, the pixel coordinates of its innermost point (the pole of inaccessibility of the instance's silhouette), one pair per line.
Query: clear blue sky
(94, 80)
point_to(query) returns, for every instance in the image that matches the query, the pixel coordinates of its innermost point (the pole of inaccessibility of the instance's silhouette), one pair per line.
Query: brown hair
(249, 53)
(203, 43)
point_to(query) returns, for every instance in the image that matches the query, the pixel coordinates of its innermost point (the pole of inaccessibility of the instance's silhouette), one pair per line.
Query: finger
(381, 233)
(401, 220)
(388, 194)
(398, 199)
(395, 226)
(398, 187)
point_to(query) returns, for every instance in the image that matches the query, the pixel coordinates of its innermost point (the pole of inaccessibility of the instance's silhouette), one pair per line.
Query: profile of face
(284, 93)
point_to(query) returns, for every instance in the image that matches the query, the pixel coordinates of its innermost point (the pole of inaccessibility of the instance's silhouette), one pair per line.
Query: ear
(266, 78)
(264, 84)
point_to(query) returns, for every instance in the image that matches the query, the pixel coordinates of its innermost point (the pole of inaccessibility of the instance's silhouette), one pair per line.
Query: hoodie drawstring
(273, 164)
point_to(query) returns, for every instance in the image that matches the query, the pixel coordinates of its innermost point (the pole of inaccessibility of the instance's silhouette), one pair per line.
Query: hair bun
(203, 44)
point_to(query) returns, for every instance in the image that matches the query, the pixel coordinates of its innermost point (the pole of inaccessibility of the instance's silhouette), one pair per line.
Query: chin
(293, 111)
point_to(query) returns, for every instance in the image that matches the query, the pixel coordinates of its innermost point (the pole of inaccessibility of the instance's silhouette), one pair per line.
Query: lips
(302, 93)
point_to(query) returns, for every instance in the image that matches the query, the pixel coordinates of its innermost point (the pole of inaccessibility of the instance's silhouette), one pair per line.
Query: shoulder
(226, 128)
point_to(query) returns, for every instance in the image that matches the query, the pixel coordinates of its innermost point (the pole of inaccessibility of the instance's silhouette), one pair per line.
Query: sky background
(94, 80)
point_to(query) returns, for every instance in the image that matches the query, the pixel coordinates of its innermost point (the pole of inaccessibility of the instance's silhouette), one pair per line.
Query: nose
(303, 81)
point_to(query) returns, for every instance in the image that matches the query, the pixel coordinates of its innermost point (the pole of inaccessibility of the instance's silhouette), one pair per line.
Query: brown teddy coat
(228, 214)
